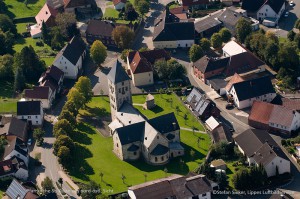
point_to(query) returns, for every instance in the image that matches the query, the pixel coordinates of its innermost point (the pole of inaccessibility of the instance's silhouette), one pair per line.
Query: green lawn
(282, 39)
(18, 9)
(8, 105)
(174, 6)
(111, 12)
(94, 152)
(109, 3)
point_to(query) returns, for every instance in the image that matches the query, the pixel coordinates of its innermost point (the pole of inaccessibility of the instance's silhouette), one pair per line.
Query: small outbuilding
(150, 103)
(218, 164)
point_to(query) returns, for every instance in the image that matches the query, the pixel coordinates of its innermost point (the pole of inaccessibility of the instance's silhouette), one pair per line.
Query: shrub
(39, 43)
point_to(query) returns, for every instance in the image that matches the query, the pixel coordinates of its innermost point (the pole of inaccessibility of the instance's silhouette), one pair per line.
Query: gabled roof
(140, 64)
(159, 150)
(165, 123)
(194, 2)
(178, 10)
(50, 83)
(76, 3)
(253, 88)
(56, 4)
(73, 50)
(233, 48)
(45, 13)
(229, 17)
(212, 123)
(198, 101)
(131, 133)
(252, 5)
(29, 107)
(133, 147)
(52, 72)
(207, 22)
(221, 133)
(264, 154)
(293, 104)
(116, 2)
(98, 27)
(234, 79)
(206, 64)
(282, 116)
(18, 128)
(16, 190)
(261, 112)
(38, 92)
(150, 55)
(117, 73)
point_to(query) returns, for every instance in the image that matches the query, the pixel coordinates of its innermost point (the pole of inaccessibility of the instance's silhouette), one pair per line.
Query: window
(155, 159)
(122, 83)
(145, 138)
(178, 152)
(280, 161)
(157, 137)
(117, 145)
(119, 90)
(134, 153)
(66, 67)
(149, 74)
(126, 88)
(29, 117)
(36, 122)
(162, 158)
(36, 116)
(204, 194)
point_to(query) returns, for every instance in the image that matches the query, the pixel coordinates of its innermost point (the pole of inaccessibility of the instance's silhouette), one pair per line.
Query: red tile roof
(140, 64)
(261, 112)
(282, 116)
(235, 79)
(293, 104)
(38, 92)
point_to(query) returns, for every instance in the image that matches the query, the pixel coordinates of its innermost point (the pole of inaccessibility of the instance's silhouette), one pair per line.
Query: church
(156, 140)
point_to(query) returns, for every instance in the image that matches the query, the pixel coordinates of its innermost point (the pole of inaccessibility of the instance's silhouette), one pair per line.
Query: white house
(40, 93)
(70, 58)
(119, 4)
(32, 111)
(261, 149)
(270, 12)
(174, 186)
(244, 93)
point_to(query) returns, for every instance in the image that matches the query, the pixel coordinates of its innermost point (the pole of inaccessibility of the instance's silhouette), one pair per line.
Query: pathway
(196, 131)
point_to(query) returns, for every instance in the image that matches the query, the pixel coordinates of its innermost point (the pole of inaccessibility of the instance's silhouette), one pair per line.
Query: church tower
(119, 88)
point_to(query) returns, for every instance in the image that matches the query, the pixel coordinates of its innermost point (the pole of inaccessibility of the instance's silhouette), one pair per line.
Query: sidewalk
(196, 131)
(68, 181)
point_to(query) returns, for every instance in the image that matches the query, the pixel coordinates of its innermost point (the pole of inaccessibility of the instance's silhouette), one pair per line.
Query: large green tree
(195, 52)
(64, 156)
(3, 143)
(67, 24)
(98, 52)
(216, 40)
(66, 114)
(205, 44)
(38, 135)
(143, 7)
(225, 34)
(6, 67)
(93, 190)
(63, 140)
(84, 86)
(243, 29)
(77, 98)
(47, 184)
(7, 25)
(123, 36)
(63, 125)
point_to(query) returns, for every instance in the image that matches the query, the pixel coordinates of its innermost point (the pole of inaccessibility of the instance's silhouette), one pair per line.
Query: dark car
(229, 106)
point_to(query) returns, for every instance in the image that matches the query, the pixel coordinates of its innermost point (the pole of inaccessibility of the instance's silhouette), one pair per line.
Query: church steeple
(119, 87)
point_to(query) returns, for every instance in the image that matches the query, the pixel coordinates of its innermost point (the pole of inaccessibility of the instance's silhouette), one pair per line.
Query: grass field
(18, 9)
(94, 152)
(111, 12)
(8, 105)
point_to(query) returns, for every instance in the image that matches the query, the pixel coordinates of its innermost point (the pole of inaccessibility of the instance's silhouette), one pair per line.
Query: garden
(96, 161)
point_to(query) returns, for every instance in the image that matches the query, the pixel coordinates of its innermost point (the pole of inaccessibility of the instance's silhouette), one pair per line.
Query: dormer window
(145, 138)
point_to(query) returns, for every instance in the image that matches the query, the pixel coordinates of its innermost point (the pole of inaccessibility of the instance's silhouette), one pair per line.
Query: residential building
(40, 93)
(32, 111)
(56, 4)
(53, 77)
(47, 15)
(221, 134)
(141, 65)
(70, 58)
(201, 106)
(134, 136)
(13, 167)
(181, 13)
(175, 186)
(100, 30)
(18, 128)
(189, 4)
(244, 93)
(169, 32)
(274, 118)
(75, 5)
(268, 11)
(17, 190)
(261, 149)
(119, 4)
(15, 148)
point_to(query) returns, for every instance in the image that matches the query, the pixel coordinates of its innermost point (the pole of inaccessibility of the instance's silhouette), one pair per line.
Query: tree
(3, 143)
(123, 177)
(60, 181)
(84, 86)
(6, 67)
(57, 41)
(216, 40)
(205, 44)
(7, 25)
(145, 175)
(65, 114)
(192, 154)
(270, 52)
(92, 190)
(63, 125)
(143, 49)
(128, 6)
(70, 106)
(185, 117)
(125, 53)
(98, 52)
(47, 184)
(6, 42)
(143, 7)
(45, 33)
(19, 83)
(64, 155)
(77, 98)
(101, 176)
(63, 140)
(38, 135)
(195, 52)
(161, 68)
(205, 169)
(175, 69)
(271, 36)
(123, 36)
(291, 34)
(243, 29)
(66, 22)
(225, 34)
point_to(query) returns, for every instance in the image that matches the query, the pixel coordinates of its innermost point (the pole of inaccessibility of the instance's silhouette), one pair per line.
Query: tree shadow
(96, 111)
(85, 128)
(78, 136)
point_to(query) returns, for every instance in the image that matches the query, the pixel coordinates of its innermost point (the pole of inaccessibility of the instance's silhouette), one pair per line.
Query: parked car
(292, 3)
(231, 130)
(29, 142)
(229, 106)
(286, 14)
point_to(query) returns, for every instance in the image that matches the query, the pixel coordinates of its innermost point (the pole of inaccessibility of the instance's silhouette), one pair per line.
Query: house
(150, 103)
(293, 104)
(218, 164)
(56, 4)
(274, 118)
(208, 25)
(211, 123)
(134, 136)
(32, 111)
(15, 147)
(70, 58)
(180, 12)
(17, 190)
(14, 167)
(141, 65)
(18, 128)
(244, 93)
(261, 149)
(119, 4)
(40, 93)
(47, 15)
(174, 186)
(169, 32)
(201, 106)
(221, 134)
(189, 4)
(53, 77)
(74, 6)
(100, 30)
(266, 11)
